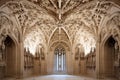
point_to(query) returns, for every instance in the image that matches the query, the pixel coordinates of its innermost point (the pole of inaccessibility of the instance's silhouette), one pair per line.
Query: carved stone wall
(66, 23)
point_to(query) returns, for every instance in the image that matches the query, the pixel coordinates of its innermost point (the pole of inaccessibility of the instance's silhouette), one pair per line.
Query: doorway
(10, 57)
(109, 57)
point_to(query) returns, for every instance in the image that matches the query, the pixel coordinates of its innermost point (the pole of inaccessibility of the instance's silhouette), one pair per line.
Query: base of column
(99, 76)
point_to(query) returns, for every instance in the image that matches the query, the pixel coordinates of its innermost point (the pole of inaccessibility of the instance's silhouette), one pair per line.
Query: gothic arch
(56, 43)
(52, 35)
(11, 59)
(111, 28)
(9, 44)
(108, 53)
(59, 37)
(9, 28)
(67, 35)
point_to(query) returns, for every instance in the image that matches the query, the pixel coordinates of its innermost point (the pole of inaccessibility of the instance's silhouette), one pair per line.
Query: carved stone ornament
(40, 18)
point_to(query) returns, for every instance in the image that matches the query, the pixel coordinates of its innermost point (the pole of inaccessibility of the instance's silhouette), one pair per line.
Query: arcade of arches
(44, 37)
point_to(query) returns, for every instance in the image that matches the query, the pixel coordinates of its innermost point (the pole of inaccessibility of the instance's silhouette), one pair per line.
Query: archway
(59, 60)
(68, 58)
(109, 57)
(10, 57)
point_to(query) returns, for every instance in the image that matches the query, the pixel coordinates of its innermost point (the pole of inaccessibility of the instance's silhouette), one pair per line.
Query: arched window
(59, 59)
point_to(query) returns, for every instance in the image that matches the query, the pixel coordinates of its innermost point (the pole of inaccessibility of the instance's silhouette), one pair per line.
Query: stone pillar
(43, 62)
(69, 63)
(76, 67)
(43, 67)
(50, 62)
(99, 67)
(20, 60)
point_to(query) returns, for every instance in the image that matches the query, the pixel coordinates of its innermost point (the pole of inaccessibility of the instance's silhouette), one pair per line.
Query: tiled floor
(59, 77)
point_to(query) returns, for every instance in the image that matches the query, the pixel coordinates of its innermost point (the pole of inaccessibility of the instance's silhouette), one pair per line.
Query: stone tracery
(87, 18)
(41, 25)
(5, 28)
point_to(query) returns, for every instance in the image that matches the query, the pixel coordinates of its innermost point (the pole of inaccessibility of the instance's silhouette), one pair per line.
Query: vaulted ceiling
(48, 21)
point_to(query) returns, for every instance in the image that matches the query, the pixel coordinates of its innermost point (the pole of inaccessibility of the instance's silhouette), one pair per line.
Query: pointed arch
(52, 35)
(67, 35)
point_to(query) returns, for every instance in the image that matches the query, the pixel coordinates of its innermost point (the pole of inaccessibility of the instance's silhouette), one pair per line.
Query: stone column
(43, 62)
(50, 62)
(69, 63)
(20, 60)
(99, 64)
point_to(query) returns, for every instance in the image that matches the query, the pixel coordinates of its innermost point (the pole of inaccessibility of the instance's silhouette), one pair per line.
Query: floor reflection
(60, 77)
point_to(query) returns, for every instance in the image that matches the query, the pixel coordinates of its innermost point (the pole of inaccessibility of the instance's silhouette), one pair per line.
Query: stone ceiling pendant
(59, 9)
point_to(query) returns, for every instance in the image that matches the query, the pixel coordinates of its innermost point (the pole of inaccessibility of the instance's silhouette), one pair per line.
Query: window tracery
(60, 59)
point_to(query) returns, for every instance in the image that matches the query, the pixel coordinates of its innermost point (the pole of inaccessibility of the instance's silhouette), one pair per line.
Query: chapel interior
(60, 37)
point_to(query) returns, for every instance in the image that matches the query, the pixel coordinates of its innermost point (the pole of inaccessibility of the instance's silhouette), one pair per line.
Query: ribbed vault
(48, 21)
(59, 37)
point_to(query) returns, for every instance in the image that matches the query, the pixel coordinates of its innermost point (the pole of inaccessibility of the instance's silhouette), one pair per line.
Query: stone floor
(60, 77)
